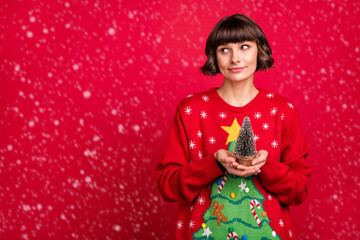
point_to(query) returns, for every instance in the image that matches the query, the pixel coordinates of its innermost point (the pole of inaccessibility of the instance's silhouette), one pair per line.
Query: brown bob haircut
(234, 29)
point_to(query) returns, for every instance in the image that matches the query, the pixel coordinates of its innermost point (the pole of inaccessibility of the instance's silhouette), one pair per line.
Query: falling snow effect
(89, 89)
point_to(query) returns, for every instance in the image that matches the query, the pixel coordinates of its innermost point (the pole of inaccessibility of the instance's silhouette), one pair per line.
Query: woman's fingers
(243, 171)
(227, 160)
(260, 159)
(230, 159)
(257, 161)
(242, 167)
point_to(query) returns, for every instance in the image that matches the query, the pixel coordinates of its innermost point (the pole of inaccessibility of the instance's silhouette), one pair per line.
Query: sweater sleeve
(289, 178)
(180, 178)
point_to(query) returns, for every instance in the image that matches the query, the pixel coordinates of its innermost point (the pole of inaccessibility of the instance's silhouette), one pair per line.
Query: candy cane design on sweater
(223, 181)
(232, 234)
(253, 203)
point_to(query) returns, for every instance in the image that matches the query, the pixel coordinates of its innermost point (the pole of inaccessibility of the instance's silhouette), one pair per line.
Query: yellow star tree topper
(233, 131)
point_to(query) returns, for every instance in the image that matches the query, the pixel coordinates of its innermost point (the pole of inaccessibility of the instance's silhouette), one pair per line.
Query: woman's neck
(237, 94)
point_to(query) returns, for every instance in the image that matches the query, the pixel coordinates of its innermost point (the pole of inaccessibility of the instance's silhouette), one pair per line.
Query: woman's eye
(245, 46)
(224, 50)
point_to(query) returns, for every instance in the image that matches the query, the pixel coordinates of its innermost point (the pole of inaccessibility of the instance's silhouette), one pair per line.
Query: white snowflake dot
(265, 126)
(31, 124)
(192, 145)
(257, 115)
(136, 128)
(87, 94)
(188, 110)
(29, 34)
(270, 95)
(121, 128)
(212, 140)
(203, 114)
(87, 179)
(273, 111)
(281, 223)
(39, 206)
(274, 144)
(205, 98)
(75, 67)
(17, 68)
(222, 115)
(191, 224)
(179, 224)
(111, 31)
(282, 116)
(117, 228)
(201, 200)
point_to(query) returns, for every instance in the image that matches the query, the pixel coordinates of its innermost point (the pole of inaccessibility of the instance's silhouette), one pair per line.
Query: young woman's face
(237, 61)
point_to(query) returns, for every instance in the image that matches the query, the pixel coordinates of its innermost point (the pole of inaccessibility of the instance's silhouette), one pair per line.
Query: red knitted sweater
(188, 168)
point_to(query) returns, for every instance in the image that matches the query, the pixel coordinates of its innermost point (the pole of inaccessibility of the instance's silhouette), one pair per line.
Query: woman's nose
(235, 57)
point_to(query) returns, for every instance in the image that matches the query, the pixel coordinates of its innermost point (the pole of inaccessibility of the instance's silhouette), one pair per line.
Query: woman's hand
(260, 159)
(227, 159)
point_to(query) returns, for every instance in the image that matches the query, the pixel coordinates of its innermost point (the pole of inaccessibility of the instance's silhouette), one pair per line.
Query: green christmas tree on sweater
(236, 210)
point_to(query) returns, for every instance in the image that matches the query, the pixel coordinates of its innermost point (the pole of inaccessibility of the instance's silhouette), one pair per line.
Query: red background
(89, 89)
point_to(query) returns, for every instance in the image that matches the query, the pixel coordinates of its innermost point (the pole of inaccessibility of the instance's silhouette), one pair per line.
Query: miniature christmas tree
(236, 210)
(245, 149)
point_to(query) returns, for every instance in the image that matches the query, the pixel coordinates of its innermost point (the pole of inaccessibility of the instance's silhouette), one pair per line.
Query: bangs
(233, 31)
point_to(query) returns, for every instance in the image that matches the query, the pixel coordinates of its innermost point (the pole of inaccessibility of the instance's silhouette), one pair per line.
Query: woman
(220, 198)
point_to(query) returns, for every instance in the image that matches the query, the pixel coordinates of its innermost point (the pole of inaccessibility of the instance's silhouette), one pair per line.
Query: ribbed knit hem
(269, 172)
(211, 170)
(222, 168)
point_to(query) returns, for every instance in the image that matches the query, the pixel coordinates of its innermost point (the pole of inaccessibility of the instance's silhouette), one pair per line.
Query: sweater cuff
(269, 172)
(222, 168)
(211, 169)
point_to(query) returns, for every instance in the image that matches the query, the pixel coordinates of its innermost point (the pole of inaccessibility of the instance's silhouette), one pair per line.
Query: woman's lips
(236, 70)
